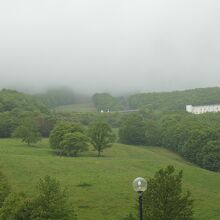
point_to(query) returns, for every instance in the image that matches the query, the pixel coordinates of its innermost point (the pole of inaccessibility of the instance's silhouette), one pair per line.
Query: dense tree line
(162, 101)
(11, 100)
(87, 118)
(195, 137)
(61, 96)
(132, 129)
(57, 97)
(16, 107)
(177, 100)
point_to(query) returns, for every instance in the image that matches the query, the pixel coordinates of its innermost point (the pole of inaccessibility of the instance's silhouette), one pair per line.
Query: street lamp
(140, 185)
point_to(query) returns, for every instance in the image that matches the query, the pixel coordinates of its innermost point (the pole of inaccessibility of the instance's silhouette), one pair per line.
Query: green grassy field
(100, 188)
(83, 107)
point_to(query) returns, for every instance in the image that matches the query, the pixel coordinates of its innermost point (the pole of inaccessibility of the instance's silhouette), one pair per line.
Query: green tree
(52, 202)
(164, 199)
(101, 136)
(197, 140)
(132, 129)
(46, 124)
(7, 124)
(56, 97)
(28, 131)
(73, 143)
(16, 207)
(105, 102)
(68, 139)
(57, 134)
(4, 188)
(151, 133)
(210, 155)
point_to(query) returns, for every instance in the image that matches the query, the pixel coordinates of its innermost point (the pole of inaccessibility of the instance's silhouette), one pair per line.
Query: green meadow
(100, 188)
(81, 107)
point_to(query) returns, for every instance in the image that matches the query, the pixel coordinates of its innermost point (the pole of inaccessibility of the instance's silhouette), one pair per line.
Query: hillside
(176, 100)
(82, 107)
(162, 101)
(11, 100)
(100, 188)
(16, 106)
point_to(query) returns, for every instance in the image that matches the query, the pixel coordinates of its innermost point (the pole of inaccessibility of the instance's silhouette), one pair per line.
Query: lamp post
(140, 185)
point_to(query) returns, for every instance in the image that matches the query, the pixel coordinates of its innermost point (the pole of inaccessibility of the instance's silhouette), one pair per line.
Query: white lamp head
(139, 184)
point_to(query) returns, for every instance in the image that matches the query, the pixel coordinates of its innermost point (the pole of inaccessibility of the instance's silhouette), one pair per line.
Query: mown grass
(82, 107)
(100, 188)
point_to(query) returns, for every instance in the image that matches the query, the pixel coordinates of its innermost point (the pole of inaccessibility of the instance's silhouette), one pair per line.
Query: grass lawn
(83, 107)
(100, 188)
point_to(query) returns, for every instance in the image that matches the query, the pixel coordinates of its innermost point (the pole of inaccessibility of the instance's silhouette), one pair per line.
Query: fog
(115, 46)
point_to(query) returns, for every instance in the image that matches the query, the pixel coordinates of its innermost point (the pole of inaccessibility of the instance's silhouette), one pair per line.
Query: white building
(202, 109)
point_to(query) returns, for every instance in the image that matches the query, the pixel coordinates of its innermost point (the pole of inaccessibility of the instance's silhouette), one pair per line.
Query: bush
(16, 207)
(164, 198)
(4, 189)
(52, 202)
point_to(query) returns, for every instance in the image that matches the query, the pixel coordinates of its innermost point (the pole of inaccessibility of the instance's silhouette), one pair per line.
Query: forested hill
(11, 100)
(57, 97)
(176, 100)
(16, 107)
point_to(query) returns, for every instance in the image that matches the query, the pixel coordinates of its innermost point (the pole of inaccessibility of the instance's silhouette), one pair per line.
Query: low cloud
(116, 46)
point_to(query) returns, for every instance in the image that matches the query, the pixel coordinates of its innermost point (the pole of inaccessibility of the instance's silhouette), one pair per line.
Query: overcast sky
(110, 45)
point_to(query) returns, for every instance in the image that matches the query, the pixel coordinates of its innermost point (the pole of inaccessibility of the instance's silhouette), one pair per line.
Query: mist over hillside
(117, 47)
(93, 94)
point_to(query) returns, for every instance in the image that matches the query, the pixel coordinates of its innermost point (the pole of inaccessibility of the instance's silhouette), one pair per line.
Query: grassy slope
(83, 107)
(109, 195)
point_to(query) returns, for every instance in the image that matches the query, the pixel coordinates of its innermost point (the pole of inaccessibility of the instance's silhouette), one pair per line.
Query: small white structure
(202, 109)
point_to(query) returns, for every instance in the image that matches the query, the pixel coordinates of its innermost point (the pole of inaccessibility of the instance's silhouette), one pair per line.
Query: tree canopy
(73, 143)
(15, 106)
(105, 102)
(164, 198)
(132, 129)
(68, 139)
(176, 100)
(28, 131)
(51, 202)
(195, 137)
(101, 136)
(56, 97)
